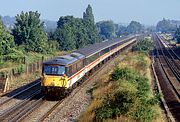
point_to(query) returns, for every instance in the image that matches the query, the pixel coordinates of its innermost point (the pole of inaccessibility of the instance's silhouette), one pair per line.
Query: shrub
(123, 73)
(144, 45)
(122, 102)
(130, 99)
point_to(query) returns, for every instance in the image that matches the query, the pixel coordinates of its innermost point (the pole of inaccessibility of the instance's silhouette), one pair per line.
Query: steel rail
(169, 65)
(19, 93)
(17, 106)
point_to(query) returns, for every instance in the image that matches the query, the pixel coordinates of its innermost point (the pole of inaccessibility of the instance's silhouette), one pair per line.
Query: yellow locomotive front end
(54, 81)
(56, 74)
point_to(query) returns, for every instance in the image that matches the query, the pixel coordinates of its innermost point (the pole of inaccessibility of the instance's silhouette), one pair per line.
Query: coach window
(93, 58)
(79, 65)
(74, 68)
(70, 70)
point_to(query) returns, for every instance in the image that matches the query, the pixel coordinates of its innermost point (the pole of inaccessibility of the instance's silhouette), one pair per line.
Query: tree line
(109, 29)
(169, 26)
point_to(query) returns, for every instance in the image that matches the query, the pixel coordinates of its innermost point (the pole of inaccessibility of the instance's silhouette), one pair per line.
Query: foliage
(134, 27)
(124, 73)
(130, 99)
(106, 29)
(70, 33)
(177, 35)
(165, 26)
(65, 37)
(109, 30)
(121, 31)
(74, 33)
(120, 103)
(144, 45)
(6, 41)
(8, 49)
(28, 30)
(90, 28)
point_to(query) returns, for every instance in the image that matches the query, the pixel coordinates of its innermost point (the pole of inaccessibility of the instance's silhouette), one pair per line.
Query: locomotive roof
(92, 49)
(65, 59)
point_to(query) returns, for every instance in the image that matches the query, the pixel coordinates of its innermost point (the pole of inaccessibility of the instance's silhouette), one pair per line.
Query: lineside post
(6, 86)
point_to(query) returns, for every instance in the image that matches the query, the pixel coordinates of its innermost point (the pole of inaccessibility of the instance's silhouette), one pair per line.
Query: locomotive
(60, 74)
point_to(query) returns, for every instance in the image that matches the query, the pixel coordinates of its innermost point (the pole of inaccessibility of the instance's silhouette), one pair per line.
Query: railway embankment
(126, 93)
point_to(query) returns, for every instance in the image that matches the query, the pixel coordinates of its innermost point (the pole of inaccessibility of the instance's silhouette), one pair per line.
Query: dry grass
(161, 117)
(23, 79)
(32, 57)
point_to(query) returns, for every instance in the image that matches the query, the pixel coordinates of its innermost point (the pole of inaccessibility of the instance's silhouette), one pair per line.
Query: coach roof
(91, 49)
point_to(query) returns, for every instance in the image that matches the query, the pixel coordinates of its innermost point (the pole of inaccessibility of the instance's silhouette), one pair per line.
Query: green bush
(130, 99)
(118, 103)
(123, 73)
(144, 45)
(121, 104)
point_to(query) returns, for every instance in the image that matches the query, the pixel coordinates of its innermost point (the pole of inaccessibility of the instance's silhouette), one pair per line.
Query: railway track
(21, 94)
(12, 102)
(172, 54)
(168, 76)
(168, 58)
(20, 109)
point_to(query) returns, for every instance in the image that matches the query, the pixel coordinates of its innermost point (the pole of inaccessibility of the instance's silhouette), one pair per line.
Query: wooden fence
(8, 75)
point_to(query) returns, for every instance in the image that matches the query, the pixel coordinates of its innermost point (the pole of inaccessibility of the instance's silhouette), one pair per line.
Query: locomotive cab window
(54, 70)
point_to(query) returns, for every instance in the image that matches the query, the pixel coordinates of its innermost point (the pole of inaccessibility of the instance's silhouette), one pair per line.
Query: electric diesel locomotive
(61, 73)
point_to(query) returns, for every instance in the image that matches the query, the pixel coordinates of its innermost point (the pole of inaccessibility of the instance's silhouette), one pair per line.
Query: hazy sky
(145, 11)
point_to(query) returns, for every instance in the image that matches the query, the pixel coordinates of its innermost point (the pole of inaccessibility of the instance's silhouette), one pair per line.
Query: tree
(28, 30)
(6, 41)
(81, 35)
(65, 37)
(76, 29)
(165, 26)
(106, 29)
(91, 30)
(88, 15)
(177, 35)
(74, 33)
(8, 49)
(134, 27)
(121, 31)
